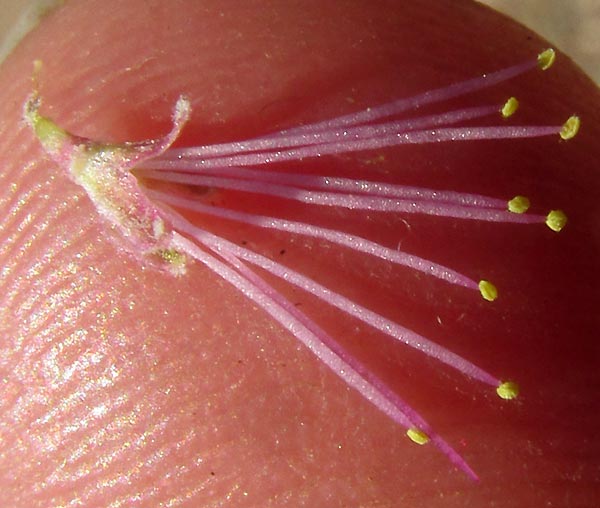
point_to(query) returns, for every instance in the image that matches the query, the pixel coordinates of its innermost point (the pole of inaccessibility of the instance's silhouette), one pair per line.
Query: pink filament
(318, 342)
(319, 150)
(281, 310)
(223, 166)
(346, 305)
(353, 242)
(349, 201)
(280, 140)
(341, 184)
(429, 97)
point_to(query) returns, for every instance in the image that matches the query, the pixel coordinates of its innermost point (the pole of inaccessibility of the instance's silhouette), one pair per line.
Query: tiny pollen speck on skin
(115, 178)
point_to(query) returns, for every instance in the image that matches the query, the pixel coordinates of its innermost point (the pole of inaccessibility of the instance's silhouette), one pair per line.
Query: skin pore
(128, 386)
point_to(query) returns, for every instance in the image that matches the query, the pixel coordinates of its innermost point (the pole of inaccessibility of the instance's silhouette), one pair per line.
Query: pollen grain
(510, 107)
(488, 290)
(519, 204)
(556, 220)
(508, 390)
(546, 59)
(570, 128)
(417, 436)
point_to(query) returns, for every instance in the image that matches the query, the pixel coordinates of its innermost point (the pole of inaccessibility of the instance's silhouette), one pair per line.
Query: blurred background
(571, 25)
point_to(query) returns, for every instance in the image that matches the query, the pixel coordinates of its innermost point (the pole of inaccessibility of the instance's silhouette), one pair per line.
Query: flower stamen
(116, 179)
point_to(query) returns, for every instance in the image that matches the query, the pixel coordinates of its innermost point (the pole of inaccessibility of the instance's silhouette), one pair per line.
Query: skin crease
(127, 386)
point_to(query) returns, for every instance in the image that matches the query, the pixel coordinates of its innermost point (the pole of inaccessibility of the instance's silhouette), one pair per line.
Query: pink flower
(124, 183)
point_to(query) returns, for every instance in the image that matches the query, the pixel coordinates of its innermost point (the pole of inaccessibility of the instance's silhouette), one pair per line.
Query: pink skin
(123, 384)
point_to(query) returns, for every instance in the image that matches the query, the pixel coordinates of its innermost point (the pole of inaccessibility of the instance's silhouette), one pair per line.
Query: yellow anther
(510, 107)
(556, 220)
(175, 260)
(417, 436)
(518, 204)
(570, 128)
(508, 390)
(488, 290)
(546, 59)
